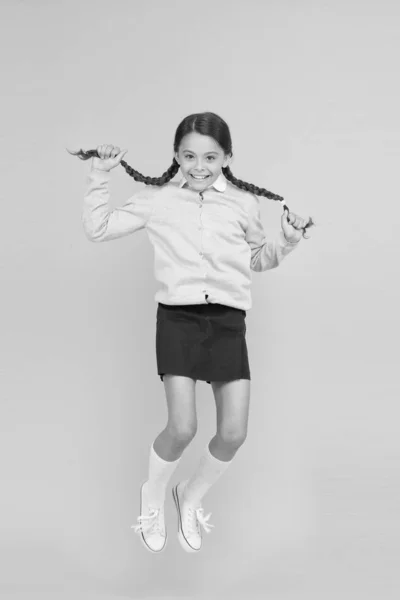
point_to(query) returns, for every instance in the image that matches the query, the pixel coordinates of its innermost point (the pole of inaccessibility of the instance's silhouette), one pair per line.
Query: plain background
(310, 90)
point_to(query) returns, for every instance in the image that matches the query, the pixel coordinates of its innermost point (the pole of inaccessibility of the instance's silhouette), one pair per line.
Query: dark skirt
(202, 341)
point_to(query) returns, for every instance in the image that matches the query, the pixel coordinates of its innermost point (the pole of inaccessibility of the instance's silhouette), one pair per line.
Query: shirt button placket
(201, 206)
(201, 253)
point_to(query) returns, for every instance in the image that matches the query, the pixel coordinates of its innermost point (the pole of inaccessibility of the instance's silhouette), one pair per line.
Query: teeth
(198, 177)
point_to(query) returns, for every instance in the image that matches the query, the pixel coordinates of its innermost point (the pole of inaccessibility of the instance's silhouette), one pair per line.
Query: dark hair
(209, 124)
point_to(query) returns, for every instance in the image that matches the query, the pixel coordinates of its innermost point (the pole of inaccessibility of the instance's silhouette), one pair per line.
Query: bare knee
(232, 438)
(182, 434)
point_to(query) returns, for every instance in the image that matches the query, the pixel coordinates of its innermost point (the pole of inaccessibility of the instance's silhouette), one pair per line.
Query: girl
(207, 236)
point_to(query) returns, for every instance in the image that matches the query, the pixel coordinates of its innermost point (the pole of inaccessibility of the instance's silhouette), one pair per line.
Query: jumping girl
(207, 236)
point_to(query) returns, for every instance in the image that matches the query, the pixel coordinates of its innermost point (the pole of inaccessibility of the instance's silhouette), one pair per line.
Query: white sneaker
(151, 523)
(190, 518)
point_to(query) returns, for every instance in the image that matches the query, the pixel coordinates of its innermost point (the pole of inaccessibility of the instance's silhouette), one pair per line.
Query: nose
(199, 167)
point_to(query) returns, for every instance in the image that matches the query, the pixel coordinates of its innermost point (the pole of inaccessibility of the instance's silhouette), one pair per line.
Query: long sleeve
(264, 255)
(99, 223)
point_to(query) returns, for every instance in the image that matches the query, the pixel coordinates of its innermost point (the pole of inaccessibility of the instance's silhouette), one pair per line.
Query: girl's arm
(100, 224)
(264, 255)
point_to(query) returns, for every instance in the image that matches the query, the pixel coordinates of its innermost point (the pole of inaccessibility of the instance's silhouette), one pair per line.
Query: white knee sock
(208, 472)
(160, 472)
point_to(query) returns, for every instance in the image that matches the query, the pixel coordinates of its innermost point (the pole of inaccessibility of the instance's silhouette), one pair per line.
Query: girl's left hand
(293, 230)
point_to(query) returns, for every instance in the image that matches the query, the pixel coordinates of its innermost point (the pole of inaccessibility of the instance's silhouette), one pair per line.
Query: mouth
(198, 178)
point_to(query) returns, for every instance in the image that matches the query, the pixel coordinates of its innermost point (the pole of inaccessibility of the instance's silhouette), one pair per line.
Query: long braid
(174, 168)
(165, 177)
(249, 187)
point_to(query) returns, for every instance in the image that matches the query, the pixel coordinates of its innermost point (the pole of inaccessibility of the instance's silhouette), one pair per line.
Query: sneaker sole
(181, 537)
(142, 533)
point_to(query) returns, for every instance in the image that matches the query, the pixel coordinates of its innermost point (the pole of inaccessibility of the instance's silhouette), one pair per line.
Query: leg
(164, 458)
(232, 400)
(182, 418)
(181, 428)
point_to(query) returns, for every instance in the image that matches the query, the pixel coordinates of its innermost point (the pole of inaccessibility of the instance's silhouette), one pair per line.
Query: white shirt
(203, 245)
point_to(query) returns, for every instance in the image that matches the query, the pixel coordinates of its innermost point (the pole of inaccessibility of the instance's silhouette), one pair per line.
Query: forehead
(199, 144)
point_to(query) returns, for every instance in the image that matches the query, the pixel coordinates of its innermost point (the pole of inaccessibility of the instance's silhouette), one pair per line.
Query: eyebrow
(187, 150)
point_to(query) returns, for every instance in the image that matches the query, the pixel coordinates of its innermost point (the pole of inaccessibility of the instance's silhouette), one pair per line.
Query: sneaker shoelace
(153, 525)
(196, 519)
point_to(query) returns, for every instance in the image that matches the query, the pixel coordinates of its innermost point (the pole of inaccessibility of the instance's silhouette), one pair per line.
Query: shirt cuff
(100, 173)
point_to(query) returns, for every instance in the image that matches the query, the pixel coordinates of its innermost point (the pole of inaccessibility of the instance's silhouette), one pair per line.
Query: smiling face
(200, 155)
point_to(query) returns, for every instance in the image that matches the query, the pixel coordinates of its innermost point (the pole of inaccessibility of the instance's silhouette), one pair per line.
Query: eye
(189, 156)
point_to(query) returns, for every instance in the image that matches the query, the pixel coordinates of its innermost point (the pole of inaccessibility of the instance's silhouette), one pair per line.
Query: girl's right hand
(110, 157)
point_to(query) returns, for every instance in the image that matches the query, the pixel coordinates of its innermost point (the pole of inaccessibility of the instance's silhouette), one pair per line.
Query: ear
(228, 161)
(176, 156)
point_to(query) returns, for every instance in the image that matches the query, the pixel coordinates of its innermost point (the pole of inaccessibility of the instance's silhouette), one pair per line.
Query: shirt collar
(219, 184)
